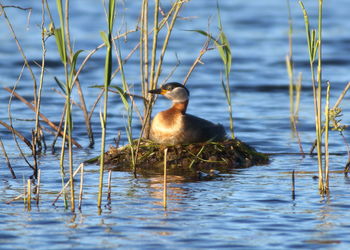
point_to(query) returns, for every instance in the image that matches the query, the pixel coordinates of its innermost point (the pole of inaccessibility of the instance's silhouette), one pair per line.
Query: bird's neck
(180, 106)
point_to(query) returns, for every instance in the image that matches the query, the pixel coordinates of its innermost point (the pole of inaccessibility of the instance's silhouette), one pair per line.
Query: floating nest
(192, 160)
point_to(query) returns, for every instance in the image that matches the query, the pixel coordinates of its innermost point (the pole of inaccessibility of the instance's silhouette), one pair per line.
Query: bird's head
(174, 91)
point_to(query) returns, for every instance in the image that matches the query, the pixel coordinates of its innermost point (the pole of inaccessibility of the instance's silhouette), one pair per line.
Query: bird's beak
(158, 91)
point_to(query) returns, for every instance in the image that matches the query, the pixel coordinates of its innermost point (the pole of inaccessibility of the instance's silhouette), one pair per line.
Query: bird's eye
(168, 87)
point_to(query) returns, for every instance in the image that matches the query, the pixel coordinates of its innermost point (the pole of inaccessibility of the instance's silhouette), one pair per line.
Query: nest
(185, 160)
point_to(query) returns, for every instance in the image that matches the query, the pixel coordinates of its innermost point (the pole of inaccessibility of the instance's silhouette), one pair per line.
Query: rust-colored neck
(180, 106)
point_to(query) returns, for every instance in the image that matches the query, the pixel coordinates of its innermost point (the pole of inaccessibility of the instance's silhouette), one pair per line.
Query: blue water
(245, 209)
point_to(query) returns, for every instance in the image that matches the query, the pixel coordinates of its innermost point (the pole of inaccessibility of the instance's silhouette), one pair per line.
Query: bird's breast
(167, 128)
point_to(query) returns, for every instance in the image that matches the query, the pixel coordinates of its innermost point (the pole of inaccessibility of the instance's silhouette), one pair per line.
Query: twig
(7, 159)
(68, 182)
(21, 51)
(340, 99)
(293, 185)
(34, 142)
(45, 119)
(18, 134)
(198, 60)
(165, 179)
(81, 186)
(16, 198)
(60, 125)
(109, 200)
(29, 194)
(38, 188)
(10, 118)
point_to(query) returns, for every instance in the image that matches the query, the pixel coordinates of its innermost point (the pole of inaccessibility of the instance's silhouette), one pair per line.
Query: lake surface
(246, 209)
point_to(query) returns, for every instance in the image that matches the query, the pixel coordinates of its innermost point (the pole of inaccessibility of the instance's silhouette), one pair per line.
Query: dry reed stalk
(67, 183)
(109, 192)
(7, 160)
(144, 63)
(10, 119)
(24, 191)
(293, 185)
(166, 41)
(81, 186)
(204, 49)
(21, 51)
(38, 188)
(29, 194)
(165, 179)
(326, 136)
(37, 146)
(34, 142)
(336, 105)
(60, 125)
(18, 134)
(44, 118)
(14, 199)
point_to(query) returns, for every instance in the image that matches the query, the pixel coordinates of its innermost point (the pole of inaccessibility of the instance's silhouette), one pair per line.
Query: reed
(129, 107)
(165, 191)
(37, 146)
(314, 42)
(223, 46)
(294, 84)
(7, 160)
(290, 64)
(150, 75)
(293, 185)
(69, 69)
(326, 137)
(109, 193)
(29, 194)
(226, 57)
(38, 188)
(81, 186)
(107, 38)
(67, 184)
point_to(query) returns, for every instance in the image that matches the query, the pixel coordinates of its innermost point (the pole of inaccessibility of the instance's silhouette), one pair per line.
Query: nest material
(185, 160)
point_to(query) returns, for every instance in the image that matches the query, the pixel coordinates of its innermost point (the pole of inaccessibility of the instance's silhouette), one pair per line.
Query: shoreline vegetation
(154, 27)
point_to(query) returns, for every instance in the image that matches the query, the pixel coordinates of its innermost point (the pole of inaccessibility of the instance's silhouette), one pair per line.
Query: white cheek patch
(179, 95)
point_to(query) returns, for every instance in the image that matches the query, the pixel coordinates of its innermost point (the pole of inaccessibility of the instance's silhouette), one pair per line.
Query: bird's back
(201, 130)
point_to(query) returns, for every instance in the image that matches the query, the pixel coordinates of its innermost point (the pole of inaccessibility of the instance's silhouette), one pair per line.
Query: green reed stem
(319, 92)
(68, 125)
(107, 38)
(42, 72)
(226, 56)
(326, 136)
(289, 64)
(315, 48)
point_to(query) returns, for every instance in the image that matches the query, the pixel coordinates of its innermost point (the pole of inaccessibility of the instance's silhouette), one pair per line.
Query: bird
(174, 126)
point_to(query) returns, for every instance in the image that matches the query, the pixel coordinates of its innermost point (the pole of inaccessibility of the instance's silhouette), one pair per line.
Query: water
(246, 209)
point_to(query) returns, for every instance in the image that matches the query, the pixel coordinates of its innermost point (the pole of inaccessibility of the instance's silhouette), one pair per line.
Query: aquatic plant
(107, 38)
(223, 46)
(294, 84)
(314, 42)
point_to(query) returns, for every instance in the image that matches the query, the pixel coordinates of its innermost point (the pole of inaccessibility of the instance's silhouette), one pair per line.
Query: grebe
(174, 126)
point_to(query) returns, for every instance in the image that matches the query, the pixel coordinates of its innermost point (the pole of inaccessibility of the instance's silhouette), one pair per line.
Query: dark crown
(172, 85)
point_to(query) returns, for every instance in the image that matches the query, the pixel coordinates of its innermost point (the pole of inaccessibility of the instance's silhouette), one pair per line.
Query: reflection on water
(246, 209)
